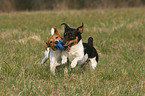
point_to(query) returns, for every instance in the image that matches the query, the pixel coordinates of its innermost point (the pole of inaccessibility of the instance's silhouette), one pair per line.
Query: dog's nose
(56, 42)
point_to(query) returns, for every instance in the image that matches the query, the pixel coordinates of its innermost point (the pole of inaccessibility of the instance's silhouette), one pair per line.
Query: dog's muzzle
(56, 42)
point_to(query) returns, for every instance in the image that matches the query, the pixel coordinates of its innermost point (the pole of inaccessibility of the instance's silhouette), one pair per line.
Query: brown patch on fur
(73, 42)
(53, 39)
(56, 31)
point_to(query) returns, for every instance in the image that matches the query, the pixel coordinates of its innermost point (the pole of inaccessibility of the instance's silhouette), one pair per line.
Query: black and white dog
(79, 52)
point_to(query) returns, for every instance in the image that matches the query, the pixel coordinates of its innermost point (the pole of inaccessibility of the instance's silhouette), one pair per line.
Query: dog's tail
(90, 41)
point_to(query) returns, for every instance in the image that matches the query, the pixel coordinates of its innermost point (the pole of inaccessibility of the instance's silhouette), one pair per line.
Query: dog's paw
(65, 70)
(63, 61)
(73, 64)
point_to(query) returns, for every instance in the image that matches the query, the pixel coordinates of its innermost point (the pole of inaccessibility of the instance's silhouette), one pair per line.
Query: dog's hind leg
(52, 68)
(64, 58)
(53, 64)
(93, 62)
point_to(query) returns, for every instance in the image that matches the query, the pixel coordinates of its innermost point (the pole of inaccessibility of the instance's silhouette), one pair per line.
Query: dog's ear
(54, 30)
(66, 26)
(80, 29)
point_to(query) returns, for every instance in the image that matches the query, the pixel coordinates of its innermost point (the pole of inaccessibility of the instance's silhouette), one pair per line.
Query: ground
(119, 37)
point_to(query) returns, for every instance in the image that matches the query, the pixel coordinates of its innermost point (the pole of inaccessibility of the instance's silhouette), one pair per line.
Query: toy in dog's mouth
(60, 46)
(67, 46)
(64, 47)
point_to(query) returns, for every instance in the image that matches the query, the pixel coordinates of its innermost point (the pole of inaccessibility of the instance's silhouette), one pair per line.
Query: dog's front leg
(74, 62)
(52, 68)
(53, 64)
(46, 56)
(64, 58)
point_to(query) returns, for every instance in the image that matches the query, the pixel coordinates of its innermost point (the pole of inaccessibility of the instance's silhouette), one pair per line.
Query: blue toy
(60, 46)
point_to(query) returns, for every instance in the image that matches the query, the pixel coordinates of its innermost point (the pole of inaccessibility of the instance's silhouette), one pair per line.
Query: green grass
(119, 37)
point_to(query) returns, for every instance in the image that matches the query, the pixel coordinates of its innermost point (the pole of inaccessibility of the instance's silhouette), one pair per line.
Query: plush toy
(60, 46)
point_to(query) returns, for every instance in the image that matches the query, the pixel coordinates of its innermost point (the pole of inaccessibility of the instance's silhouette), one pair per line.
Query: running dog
(77, 51)
(57, 57)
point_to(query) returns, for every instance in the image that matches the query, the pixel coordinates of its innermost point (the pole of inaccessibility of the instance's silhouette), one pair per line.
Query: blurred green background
(33, 5)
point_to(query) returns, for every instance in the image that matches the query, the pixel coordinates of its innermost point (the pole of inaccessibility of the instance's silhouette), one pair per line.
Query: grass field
(119, 37)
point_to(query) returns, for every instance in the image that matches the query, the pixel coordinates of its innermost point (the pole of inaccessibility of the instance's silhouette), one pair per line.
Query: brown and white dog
(57, 57)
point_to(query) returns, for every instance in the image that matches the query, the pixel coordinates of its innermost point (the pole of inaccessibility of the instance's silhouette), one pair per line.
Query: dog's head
(54, 39)
(72, 35)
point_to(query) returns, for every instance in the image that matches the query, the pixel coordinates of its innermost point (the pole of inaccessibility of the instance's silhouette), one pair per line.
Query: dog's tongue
(68, 48)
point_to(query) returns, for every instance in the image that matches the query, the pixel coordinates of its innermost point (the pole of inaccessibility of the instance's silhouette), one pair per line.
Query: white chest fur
(55, 57)
(76, 51)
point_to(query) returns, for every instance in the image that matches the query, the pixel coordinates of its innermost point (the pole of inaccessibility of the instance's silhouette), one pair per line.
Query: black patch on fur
(90, 41)
(90, 50)
(71, 34)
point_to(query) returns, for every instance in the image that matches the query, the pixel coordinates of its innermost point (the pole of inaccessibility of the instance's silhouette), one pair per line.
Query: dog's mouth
(68, 48)
(71, 43)
(54, 47)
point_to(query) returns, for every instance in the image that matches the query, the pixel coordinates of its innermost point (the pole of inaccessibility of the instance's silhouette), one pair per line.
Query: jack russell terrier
(56, 56)
(79, 52)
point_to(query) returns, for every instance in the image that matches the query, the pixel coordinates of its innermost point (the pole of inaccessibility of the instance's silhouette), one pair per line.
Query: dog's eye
(50, 41)
(70, 34)
(56, 37)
